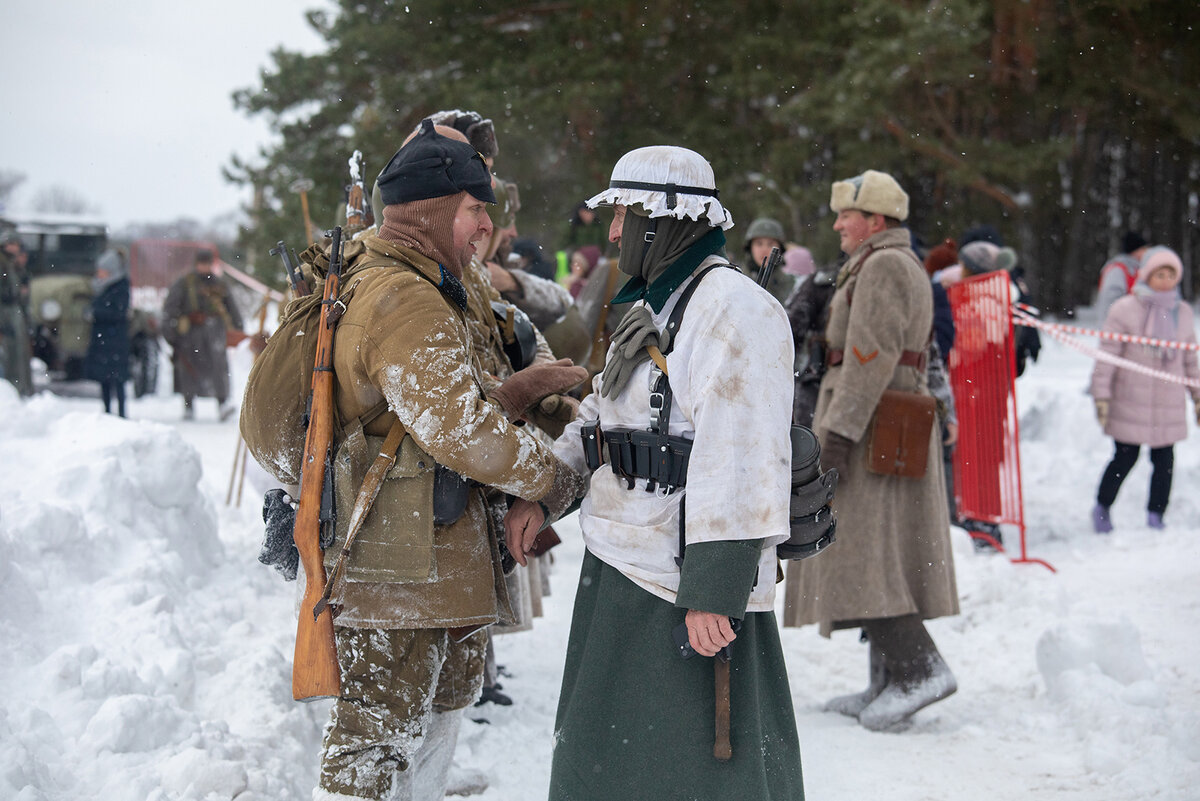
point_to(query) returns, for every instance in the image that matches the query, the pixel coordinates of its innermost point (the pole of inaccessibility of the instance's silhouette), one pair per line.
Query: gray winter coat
(892, 556)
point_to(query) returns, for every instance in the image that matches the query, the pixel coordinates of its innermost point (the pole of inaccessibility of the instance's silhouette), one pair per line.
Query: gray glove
(835, 455)
(635, 333)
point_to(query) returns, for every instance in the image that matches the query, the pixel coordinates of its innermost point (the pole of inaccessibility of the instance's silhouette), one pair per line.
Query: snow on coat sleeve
(417, 353)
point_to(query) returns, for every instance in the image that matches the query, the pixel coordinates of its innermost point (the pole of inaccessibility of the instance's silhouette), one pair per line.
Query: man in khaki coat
(892, 566)
(413, 582)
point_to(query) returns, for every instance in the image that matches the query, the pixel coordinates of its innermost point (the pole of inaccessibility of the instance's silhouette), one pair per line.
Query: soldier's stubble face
(472, 227)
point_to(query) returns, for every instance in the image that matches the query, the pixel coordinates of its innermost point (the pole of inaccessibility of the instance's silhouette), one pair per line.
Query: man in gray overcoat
(892, 568)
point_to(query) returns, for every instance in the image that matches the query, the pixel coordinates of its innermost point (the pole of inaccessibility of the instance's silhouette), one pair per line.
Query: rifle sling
(362, 504)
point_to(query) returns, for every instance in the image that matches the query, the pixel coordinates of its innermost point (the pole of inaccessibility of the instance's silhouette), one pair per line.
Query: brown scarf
(426, 226)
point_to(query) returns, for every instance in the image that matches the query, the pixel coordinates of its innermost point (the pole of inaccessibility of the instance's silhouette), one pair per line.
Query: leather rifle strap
(722, 750)
(362, 504)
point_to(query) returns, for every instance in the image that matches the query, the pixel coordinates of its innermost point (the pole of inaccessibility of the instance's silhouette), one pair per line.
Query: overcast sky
(129, 103)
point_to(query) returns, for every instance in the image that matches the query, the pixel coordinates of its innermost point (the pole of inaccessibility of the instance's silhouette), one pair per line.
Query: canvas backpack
(1127, 264)
(274, 415)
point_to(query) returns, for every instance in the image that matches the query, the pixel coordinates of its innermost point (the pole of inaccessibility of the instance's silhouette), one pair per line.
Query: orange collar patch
(864, 359)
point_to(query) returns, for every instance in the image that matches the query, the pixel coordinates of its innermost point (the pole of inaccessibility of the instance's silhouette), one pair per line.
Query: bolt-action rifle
(768, 266)
(315, 671)
(295, 277)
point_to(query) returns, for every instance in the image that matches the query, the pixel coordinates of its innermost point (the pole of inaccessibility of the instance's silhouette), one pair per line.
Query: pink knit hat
(1159, 256)
(798, 261)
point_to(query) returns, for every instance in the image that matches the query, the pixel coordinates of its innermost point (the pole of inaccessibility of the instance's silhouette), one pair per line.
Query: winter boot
(855, 703)
(1154, 520)
(983, 545)
(918, 676)
(466, 781)
(492, 695)
(1101, 522)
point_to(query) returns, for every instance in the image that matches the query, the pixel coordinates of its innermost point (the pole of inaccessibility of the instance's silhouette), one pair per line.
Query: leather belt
(908, 358)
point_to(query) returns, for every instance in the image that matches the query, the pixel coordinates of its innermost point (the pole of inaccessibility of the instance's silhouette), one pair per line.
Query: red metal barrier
(987, 457)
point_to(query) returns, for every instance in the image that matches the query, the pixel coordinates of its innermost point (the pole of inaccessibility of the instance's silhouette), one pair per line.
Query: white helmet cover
(667, 181)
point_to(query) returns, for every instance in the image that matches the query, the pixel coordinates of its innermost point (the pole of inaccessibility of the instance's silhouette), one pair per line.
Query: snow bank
(121, 653)
(148, 654)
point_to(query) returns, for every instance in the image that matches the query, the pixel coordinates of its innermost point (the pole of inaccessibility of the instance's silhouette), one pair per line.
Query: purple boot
(1154, 520)
(1101, 522)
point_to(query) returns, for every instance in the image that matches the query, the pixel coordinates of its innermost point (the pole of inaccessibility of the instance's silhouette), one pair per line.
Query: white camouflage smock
(731, 374)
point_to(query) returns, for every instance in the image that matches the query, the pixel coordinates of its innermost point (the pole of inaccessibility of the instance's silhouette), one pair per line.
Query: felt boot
(1101, 522)
(854, 703)
(918, 676)
(1154, 520)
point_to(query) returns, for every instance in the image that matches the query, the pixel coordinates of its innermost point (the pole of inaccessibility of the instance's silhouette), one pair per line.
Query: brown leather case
(899, 439)
(544, 541)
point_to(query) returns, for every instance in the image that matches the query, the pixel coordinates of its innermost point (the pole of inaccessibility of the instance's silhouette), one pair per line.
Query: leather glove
(635, 333)
(1102, 412)
(553, 413)
(835, 455)
(525, 388)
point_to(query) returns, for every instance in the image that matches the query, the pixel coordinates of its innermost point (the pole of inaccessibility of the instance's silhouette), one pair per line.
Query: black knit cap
(1131, 241)
(432, 165)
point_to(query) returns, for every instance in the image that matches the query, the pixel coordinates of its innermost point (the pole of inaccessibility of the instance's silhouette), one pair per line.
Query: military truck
(63, 250)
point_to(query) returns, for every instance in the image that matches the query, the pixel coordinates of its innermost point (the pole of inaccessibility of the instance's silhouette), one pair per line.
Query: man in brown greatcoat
(413, 578)
(892, 567)
(198, 314)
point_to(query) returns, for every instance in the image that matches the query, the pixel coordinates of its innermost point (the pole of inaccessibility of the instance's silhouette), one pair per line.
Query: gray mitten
(635, 333)
(279, 548)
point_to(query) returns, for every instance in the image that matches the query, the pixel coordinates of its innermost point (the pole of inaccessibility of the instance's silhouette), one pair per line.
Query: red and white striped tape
(1061, 333)
(1021, 311)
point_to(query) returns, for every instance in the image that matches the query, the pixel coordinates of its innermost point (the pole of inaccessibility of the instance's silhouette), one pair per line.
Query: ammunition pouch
(660, 459)
(519, 339)
(450, 495)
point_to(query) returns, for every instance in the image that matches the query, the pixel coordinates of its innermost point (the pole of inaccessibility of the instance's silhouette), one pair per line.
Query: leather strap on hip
(908, 358)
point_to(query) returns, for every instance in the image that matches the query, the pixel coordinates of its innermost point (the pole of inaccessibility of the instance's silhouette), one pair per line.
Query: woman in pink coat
(1136, 409)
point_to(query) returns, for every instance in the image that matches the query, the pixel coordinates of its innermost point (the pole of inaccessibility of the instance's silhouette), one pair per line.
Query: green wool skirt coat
(636, 721)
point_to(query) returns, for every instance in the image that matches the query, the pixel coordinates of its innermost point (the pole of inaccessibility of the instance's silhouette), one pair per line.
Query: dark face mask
(671, 239)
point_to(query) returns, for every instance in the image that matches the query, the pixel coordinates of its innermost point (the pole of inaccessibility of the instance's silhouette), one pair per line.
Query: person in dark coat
(198, 314)
(808, 311)
(108, 350)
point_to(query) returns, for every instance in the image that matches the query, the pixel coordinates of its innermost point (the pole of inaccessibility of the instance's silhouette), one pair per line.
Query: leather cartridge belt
(908, 358)
(661, 459)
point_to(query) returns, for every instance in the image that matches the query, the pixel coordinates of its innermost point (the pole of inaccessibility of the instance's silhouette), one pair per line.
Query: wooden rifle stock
(315, 671)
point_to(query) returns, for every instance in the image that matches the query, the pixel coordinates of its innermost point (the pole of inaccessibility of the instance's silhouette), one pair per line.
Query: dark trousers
(1163, 460)
(110, 389)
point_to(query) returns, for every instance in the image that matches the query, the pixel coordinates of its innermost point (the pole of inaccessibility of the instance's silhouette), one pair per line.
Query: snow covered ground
(146, 653)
